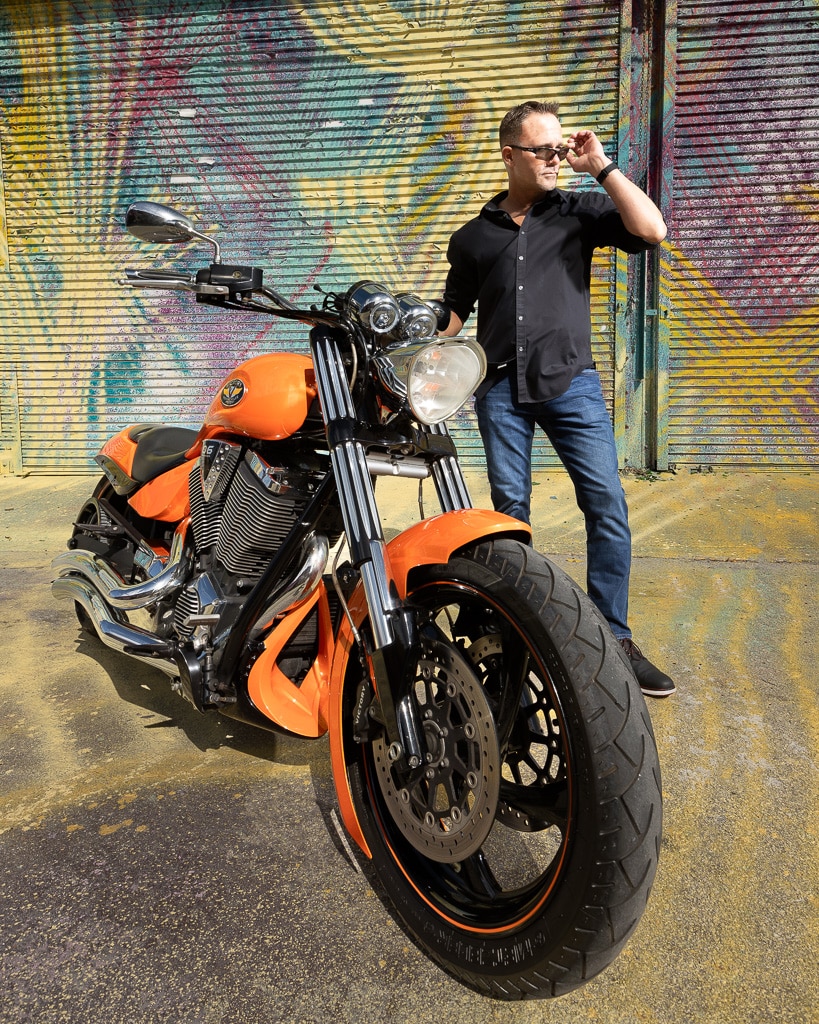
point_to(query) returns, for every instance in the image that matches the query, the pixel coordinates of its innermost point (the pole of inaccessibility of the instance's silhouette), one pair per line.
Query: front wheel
(522, 857)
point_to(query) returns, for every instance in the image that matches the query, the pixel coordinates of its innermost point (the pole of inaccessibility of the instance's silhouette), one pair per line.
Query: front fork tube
(453, 494)
(395, 636)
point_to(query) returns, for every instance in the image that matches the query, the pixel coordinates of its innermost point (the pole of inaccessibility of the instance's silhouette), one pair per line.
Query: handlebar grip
(442, 313)
(157, 279)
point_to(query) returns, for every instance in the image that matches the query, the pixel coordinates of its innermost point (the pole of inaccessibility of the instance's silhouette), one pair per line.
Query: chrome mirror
(153, 222)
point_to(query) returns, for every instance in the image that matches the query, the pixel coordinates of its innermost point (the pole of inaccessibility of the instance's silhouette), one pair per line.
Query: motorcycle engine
(242, 508)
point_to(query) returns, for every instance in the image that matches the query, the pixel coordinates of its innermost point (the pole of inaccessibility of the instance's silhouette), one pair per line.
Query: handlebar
(233, 287)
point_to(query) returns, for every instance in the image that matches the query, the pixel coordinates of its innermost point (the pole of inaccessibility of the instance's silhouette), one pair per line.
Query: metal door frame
(648, 53)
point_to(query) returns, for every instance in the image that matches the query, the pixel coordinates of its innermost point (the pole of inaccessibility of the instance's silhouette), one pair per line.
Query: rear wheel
(98, 538)
(523, 855)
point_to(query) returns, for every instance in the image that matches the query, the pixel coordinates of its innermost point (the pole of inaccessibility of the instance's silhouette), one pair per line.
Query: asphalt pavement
(159, 865)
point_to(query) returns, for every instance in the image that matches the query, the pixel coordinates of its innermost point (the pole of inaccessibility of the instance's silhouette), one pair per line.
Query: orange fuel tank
(267, 397)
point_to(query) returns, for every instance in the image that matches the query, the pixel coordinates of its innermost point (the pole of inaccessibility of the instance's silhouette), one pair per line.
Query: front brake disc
(448, 812)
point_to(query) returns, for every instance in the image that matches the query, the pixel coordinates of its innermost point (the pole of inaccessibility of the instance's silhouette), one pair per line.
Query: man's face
(528, 173)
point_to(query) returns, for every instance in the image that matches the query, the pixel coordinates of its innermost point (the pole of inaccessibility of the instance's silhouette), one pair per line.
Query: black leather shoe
(653, 682)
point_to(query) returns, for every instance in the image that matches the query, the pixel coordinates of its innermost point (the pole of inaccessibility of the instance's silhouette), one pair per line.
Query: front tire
(558, 884)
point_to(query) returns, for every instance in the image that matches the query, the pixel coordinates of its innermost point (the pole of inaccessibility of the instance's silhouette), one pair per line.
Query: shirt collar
(493, 211)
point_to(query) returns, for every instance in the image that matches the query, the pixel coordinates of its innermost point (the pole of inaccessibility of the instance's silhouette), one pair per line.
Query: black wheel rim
(517, 868)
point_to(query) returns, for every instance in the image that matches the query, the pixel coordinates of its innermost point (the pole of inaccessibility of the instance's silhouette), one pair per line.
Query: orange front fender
(430, 542)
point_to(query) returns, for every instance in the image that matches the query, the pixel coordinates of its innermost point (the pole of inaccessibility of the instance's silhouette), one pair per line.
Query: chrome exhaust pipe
(105, 580)
(110, 627)
(304, 580)
(116, 632)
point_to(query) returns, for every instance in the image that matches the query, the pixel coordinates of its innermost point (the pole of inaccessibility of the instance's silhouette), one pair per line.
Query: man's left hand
(586, 155)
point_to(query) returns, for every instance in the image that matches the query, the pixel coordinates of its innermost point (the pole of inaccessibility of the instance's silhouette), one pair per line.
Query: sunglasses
(545, 152)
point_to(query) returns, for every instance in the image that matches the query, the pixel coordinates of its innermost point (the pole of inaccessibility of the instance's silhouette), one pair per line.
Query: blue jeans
(578, 426)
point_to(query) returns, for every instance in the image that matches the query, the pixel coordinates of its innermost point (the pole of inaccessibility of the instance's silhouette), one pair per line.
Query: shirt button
(520, 287)
(520, 257)
(520, 318)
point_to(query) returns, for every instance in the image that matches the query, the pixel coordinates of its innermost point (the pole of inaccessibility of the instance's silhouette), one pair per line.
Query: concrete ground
(163, 866)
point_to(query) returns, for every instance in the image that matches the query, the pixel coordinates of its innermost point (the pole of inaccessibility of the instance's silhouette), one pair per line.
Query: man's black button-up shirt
(532, 284)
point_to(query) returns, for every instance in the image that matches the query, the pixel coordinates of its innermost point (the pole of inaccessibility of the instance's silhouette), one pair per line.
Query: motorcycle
(491, 751)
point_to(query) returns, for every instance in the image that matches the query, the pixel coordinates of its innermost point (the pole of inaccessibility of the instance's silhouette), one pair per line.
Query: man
(525, 260)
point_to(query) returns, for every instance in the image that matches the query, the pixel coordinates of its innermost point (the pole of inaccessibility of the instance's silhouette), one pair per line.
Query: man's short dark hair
(513, 119)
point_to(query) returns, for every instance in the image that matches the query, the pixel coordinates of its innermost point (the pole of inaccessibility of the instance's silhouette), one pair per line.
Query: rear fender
(116, 458)
(430, 542)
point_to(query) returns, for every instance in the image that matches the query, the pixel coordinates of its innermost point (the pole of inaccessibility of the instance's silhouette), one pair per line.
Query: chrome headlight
(373, 306)
(435, 377)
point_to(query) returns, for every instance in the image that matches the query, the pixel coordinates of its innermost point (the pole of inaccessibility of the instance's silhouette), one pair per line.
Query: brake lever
(169, 280)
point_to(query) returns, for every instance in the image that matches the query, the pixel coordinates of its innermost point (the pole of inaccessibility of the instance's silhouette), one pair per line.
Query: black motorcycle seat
(159, 448)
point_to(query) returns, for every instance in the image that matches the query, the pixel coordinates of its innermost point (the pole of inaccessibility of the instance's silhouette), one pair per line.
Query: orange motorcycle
(491, 750)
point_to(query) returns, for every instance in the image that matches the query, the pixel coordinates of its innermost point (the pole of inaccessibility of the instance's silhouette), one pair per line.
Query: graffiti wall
(333, 141)
(741, 266)
(327, 142)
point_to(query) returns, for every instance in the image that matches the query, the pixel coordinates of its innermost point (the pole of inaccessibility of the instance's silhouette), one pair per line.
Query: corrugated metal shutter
(327, 142)
(743, 268)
